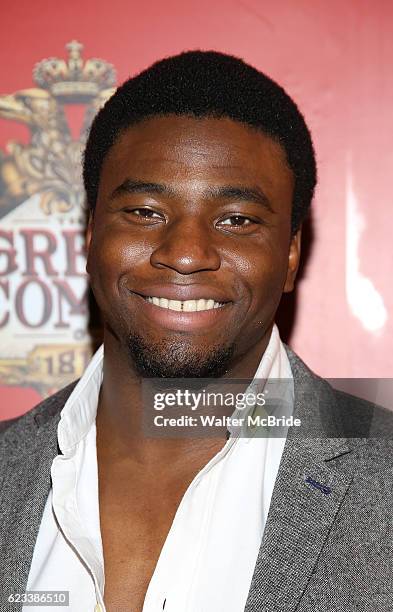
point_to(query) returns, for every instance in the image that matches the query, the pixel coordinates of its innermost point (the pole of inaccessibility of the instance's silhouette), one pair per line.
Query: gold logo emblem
(50, 163)
(43, 296)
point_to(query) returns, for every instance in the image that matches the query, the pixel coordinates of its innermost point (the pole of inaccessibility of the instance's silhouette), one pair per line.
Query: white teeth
(186, 305)
(189, 306)
(174, 305)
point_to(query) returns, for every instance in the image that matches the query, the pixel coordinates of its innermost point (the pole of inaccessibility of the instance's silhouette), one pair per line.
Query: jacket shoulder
(14, 431)
(358, 417)
(363, 418)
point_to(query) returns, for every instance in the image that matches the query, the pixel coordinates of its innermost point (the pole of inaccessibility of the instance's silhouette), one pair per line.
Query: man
(198, 174)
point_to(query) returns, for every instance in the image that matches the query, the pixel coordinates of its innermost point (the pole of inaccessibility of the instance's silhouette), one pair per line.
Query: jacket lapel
(307, 496)
(27, 450)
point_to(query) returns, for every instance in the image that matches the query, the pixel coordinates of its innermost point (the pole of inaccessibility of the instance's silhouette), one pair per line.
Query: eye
(238, 223)
(144, 214)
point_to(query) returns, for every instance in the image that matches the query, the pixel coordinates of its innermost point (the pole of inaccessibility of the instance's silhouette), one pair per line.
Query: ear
(88, 237)
(293, 260)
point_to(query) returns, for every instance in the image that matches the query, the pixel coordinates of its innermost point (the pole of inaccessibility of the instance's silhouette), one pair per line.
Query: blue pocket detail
(317, 485)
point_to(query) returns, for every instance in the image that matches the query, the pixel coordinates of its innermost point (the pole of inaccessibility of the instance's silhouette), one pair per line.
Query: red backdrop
(335, 60)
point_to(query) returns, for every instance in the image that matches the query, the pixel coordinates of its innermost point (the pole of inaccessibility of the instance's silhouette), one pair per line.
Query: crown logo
(74, 78)
(50, 164)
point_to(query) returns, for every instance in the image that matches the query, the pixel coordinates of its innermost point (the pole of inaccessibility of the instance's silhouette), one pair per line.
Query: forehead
(195, 151)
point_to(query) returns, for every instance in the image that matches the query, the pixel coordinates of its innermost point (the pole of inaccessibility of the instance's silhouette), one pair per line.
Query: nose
(187, 246)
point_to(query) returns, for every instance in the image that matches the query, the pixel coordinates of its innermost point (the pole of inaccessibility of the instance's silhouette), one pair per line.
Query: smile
(186, 305)
(189, 316)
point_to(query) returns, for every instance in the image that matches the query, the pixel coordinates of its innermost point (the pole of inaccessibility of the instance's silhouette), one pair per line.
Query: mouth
(188, 315)
(199, 305)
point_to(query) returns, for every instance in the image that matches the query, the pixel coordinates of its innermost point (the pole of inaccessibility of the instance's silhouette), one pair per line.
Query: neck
(120, 434)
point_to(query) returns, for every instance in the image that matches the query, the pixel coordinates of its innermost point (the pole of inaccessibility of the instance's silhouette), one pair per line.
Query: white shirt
(209, 556)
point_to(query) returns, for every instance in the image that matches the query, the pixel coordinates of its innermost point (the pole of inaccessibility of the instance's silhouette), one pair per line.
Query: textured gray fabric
(328, 540)
(28, 446)
(329, 551)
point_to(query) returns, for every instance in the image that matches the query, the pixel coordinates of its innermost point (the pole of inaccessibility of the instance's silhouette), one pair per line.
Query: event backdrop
(333, 58)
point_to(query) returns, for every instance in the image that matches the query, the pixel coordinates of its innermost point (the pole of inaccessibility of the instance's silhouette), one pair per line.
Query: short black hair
(206, 84)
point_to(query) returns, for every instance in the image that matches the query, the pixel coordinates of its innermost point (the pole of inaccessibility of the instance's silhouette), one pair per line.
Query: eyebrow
(133, 186)
(244, 194)
(232, 192)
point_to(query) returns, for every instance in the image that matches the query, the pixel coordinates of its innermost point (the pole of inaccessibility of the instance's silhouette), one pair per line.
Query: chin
(177, 359)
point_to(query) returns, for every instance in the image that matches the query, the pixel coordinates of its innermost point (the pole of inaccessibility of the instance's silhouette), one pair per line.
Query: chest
(135, 518)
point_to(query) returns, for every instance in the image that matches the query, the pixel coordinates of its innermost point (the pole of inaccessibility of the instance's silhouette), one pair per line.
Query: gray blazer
(328, 540)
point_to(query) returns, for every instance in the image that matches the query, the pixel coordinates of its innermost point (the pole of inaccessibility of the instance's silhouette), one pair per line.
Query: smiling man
(195, 212)
(198, 175)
